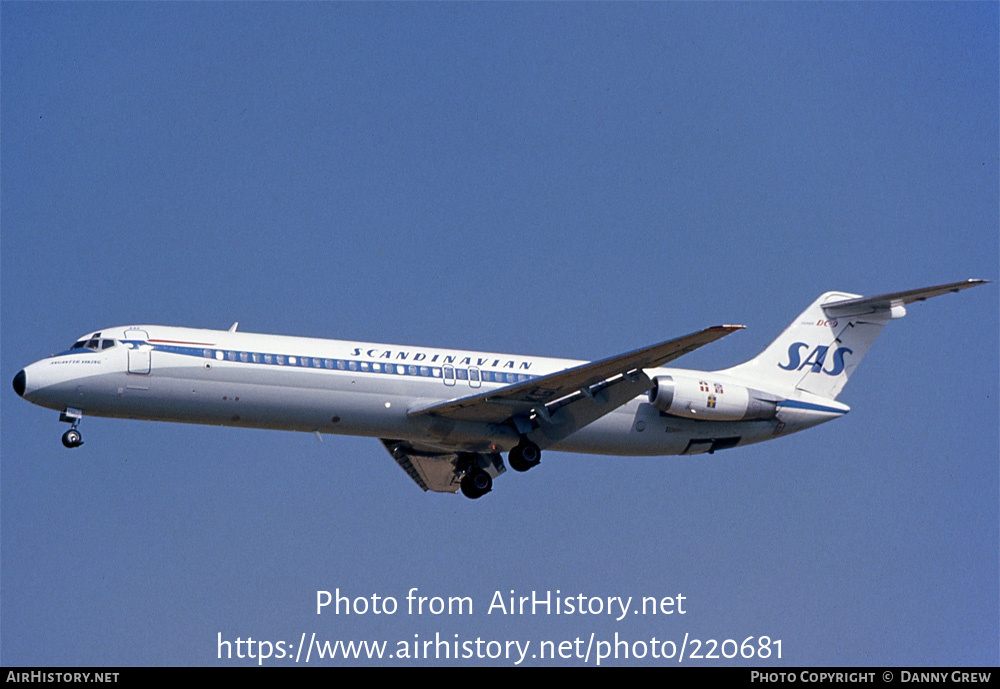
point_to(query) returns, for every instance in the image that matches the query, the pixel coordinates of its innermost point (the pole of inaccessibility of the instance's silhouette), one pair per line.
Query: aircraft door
(138, 354)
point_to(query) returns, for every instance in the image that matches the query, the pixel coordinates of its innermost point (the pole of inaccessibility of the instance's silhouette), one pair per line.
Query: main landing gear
(525, 455)
(477, 482)
(72, 438)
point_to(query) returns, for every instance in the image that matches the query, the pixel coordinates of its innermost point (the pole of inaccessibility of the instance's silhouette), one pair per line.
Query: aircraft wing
(865, 305)
(581, 382)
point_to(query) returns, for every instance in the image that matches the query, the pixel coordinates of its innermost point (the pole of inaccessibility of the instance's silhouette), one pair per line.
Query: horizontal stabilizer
(886, 302)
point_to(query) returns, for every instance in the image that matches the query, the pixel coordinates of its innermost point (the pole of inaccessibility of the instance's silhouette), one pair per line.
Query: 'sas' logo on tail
(816, 359)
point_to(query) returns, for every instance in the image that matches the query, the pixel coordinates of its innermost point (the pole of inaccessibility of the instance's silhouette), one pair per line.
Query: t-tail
(821, 348)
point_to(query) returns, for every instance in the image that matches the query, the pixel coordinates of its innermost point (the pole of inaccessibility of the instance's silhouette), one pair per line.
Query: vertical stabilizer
(820, 350)
(816, 353)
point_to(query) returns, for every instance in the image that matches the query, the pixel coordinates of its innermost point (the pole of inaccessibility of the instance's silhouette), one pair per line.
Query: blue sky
(555, 179)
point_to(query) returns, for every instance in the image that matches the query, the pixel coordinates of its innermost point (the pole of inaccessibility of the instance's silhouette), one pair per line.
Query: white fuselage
(252, 380)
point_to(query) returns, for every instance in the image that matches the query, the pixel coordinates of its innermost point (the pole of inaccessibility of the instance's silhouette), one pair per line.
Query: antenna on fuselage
(232, 328)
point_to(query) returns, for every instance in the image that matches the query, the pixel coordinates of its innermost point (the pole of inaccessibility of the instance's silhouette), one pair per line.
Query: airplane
(446, 416)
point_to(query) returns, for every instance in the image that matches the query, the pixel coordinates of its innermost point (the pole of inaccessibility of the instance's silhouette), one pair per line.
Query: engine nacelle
(704, 399)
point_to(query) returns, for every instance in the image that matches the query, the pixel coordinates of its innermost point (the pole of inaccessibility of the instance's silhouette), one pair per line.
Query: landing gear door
(138, 351)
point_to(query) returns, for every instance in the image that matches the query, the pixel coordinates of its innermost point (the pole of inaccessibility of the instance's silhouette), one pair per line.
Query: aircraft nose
(19, 380)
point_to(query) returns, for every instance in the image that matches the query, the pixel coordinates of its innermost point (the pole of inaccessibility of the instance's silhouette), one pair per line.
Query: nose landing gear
(72, 438)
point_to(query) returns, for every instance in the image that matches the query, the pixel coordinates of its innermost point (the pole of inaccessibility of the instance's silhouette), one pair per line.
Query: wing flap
(570, 414)
(439, 471)
(883, 302)
(430, 471)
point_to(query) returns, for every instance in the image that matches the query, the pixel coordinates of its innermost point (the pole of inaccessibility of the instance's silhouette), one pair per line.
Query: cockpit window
(93, 344)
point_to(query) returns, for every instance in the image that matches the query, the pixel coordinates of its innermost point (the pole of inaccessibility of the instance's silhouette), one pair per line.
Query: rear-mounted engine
(705, 399)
